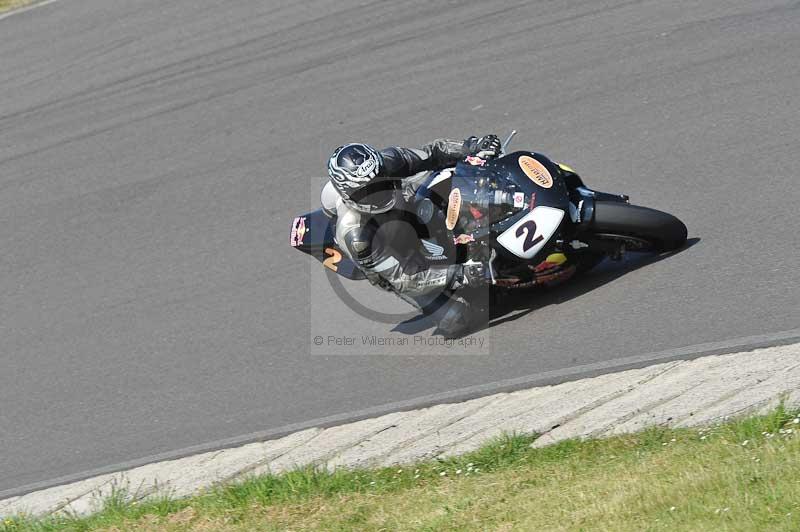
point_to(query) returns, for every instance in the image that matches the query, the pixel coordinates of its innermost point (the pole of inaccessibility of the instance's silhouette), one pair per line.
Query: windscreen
(488, 195)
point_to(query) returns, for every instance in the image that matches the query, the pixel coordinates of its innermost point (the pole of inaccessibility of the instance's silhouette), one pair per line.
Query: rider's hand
(484, 147)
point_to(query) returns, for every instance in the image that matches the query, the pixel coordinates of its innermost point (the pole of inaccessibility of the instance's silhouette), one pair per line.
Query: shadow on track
(510, 305)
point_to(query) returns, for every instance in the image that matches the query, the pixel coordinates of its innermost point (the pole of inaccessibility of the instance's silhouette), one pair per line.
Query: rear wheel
(639, 228)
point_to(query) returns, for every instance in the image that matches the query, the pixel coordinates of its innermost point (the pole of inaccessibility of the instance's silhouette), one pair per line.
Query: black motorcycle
(532, 220)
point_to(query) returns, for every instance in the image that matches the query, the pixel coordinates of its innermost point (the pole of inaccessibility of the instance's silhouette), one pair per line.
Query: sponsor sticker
(463, 239)
(552, 261)
(536, 171)
(475, 161)
(367, 169)
(434, 249)
(453, 208)
(519, 200)
(299, 231)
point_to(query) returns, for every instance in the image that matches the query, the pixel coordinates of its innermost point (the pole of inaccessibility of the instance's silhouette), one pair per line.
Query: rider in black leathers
(366, 193)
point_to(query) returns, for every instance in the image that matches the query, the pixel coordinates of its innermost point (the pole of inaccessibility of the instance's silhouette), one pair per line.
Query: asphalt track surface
(153, 154)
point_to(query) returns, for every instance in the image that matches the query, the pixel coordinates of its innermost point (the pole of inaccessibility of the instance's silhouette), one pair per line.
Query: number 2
(529, 230)
(334, 259)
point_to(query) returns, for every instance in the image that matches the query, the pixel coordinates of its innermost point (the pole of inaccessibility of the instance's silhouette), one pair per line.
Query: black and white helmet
(354, 170)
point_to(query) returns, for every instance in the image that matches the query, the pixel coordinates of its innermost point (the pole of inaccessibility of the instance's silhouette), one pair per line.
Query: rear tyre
(641, 228)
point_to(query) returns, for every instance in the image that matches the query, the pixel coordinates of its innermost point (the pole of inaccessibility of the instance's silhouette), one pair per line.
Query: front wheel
(641, 228)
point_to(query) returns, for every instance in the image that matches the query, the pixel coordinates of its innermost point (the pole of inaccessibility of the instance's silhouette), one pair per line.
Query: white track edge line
(26, 8)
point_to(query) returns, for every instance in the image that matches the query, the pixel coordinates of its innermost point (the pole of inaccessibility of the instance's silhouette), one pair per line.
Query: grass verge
(8, 5)
(742, 475)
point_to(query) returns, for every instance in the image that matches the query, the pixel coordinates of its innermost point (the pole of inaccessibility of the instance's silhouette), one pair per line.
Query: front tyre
(642, 228)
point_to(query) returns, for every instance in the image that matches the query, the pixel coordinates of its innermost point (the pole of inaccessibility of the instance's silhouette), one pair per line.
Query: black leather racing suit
(381, 245)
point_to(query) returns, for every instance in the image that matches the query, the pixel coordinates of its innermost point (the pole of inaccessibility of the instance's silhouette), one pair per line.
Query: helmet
(354, 170)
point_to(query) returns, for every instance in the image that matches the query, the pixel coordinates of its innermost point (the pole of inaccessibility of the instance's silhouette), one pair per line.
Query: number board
(530, 234)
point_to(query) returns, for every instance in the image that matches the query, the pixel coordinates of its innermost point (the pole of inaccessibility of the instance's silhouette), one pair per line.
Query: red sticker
(463, 239)
(475, 213)
(299, 231)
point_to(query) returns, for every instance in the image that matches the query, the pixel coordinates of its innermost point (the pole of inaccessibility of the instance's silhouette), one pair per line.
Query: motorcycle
(533, 221)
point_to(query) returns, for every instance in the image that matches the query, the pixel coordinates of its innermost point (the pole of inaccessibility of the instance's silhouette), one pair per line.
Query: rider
(367, 191)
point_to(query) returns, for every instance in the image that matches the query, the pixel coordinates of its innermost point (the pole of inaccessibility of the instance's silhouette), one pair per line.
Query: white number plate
(530, 234)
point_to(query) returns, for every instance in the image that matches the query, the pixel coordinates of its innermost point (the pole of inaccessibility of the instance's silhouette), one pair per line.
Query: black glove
(484, 147)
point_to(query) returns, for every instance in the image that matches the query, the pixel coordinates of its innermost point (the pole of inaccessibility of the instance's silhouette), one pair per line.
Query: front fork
(614, 249)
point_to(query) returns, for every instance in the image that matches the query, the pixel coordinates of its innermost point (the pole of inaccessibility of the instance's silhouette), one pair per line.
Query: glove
(470, 275)
(484, 147)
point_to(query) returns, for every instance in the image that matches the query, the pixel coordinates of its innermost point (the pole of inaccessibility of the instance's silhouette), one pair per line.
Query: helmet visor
(376, 197)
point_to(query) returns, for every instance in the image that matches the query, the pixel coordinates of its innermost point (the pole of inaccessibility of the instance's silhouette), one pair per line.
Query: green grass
(8, 5)
(743, 475)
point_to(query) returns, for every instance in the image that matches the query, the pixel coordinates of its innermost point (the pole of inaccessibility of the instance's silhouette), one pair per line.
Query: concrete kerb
(679, 393)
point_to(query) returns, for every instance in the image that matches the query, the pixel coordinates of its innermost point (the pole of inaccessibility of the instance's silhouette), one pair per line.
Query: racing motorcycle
(533, 221)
